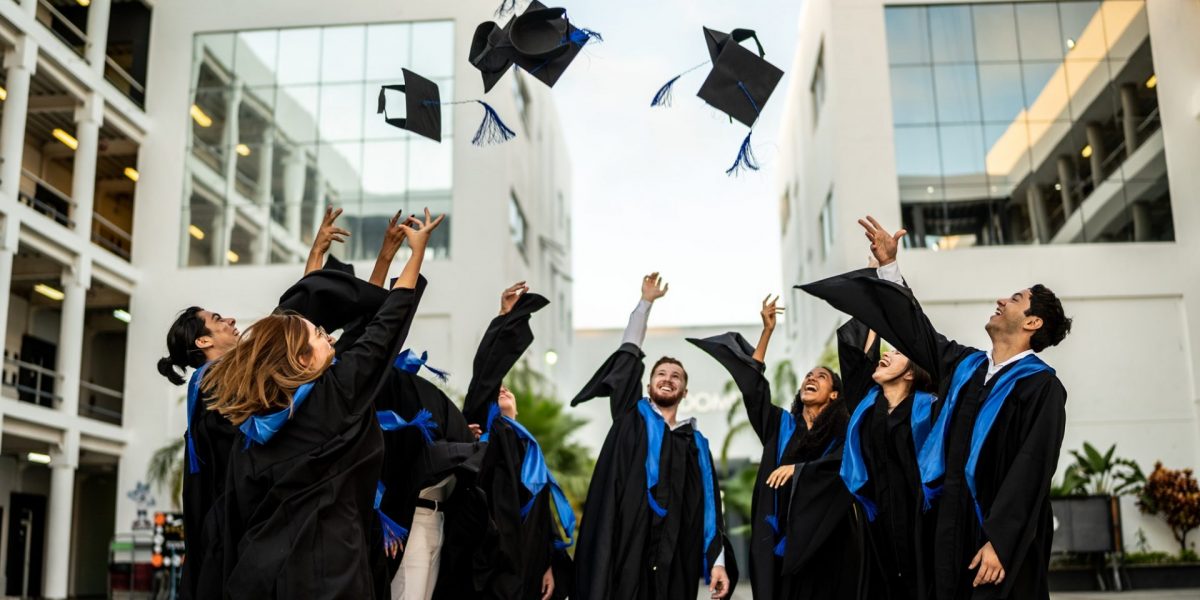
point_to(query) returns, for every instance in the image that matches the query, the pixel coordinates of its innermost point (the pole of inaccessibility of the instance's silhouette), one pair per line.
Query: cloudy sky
(650, 190)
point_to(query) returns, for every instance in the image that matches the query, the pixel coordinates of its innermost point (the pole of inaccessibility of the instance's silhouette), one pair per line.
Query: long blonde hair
(262, 372)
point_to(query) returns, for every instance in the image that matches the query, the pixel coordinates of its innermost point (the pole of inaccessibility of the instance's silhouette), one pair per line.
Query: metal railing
(58, 18)
(89, 393)
(123, 81)
(110, 237)
(28, 379)
(43, 207)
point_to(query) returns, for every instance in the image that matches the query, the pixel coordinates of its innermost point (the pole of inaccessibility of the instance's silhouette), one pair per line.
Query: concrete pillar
(266, 162)
(19, 65)
(9, 233)
(1129, 117)
(76, 281)
(97, 34)
(88, 118)
(1038, 221)
(1066, 180)
(224, 232)
(64, 461)
(1096, 141)
(1140, 212)
(295, 172)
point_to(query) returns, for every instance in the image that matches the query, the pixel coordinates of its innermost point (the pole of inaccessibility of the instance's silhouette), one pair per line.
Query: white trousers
(422, 557)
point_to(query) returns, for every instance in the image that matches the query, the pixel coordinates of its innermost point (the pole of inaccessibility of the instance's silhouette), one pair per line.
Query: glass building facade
(283, 123)
(1030, 122)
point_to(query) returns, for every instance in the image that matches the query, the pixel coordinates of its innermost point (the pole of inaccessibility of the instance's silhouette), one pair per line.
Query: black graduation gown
(1016, 461)
(767, 575)
(624, 549)
(516, 551)
(299, 510)
(896, 540)
(331, 297)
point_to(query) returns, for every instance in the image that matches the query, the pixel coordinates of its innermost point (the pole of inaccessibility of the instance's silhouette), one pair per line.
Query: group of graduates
(323, 468)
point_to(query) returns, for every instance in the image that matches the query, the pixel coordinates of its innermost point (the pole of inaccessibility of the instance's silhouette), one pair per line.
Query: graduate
(993, 447)
(804, 541)
(299, 498)
(653, 525)
(531, 523)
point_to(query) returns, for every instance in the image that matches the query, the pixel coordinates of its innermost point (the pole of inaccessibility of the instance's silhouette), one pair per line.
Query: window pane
(995, 32)
(430, 165)
(343, 55)
(299, 56)
(917, 153)
(912, 95)
(340, 167)
(256, 52)
(1045, 91)
(1125, 26)
(342, 108)
(1082, 30)
(433, 49)
(957, 88)
(296, 113)
(385, 169)
(950, 27)
(962, 154)
(1038, 31)
(907, 35)
(1000, 92)
(387, 51)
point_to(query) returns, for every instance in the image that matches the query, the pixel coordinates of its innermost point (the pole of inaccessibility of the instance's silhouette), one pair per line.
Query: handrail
(124, 74)
(67, 22)
(46, 184)
(98, 219)
(87, 385)
(36, 368)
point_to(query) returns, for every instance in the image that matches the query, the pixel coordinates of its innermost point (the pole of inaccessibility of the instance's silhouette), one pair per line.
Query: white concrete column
(1140, 213)
(221, 244)
(1066, 180)
(1037, 215)
(63, 463)
(1095, 139)
(294, 175)
(19, 65)
(88, 118)
(70, 333)
(1129, 117)
(8, 248)
(97, 34)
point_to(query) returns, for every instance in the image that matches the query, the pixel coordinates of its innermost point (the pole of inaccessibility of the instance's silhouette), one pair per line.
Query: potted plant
(1173, 495)
(1087, 517)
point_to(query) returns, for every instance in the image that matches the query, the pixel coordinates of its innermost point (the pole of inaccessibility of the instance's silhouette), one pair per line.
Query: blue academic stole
(655, 426)
(932, 458)
(854, 470)
(193, 396)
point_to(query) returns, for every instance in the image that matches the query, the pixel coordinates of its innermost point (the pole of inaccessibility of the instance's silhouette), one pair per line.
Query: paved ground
(743, 593)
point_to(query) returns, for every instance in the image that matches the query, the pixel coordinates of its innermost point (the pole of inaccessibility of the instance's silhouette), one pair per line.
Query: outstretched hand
(653, 287)
(769, 312)
(393, 238)
(509, 297)
(329, 232)
(418, 231)
(884, 245)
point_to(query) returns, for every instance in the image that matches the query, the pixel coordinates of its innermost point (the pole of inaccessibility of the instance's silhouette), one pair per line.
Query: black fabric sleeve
(619, 378)
(737, 356)
(856, 363)
(506, 339)
(818, 504)
(359, 371)
(894, 314)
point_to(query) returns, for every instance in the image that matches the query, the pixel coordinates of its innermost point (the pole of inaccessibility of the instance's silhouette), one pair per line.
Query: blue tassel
(745, 159)
(492, 130)
(663, 96)
(394, 534)
(423, 422)
(781, 547)
(582, 36)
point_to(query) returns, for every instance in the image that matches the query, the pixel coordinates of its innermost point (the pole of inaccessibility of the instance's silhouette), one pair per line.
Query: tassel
(492, 130)
(506, 7)
(663, 96)
(781, 547)
(580, 36)
(394, 534)
(423, 422)
(442, 376)
(745, 159)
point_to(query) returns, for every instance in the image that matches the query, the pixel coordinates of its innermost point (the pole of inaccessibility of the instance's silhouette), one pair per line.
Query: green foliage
(542, 414)
(166, 470)
(1175, 496)
(1101, 474)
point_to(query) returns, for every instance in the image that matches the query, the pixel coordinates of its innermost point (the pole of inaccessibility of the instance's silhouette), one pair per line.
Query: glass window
(516, 222)
(1019, 122)
(307, 135)
(816, 89)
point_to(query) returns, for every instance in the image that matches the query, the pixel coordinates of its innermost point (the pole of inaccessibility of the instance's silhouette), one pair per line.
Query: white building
(158, 155)
(1018, 142)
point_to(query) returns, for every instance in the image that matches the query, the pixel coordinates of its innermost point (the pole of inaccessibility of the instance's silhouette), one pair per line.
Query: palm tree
(166, 468)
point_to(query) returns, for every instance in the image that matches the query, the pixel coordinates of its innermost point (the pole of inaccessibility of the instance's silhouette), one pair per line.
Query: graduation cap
(424, 116)
(423, 103)
(739, 84)
(540, 40)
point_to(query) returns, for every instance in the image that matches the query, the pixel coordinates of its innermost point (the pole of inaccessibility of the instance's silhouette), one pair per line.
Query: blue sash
(261, 428)
(655, 426)
(193, 396)
(932, 457)
(787, 426)
(854, 470)
(535, 476)
(423, 422)
(410, 362)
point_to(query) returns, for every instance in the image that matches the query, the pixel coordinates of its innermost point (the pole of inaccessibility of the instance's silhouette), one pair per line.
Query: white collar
(678, 423)
(992, 366)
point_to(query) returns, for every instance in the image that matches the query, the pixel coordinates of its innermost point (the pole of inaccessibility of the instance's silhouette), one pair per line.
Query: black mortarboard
(422, 102)
(540, 40)
(491, 52)
(741, 81)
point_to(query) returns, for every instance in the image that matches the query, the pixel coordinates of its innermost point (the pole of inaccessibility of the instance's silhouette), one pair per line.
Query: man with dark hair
(653, 526)
(991, 452)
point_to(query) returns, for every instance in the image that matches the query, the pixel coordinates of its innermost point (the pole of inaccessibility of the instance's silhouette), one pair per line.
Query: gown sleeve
(506, 339)
(817, 507)
(737, 356)
(894, 314)
(857, 364)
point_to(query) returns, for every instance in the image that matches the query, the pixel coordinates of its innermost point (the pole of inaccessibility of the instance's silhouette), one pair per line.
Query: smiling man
(994, 446)
(653, 526)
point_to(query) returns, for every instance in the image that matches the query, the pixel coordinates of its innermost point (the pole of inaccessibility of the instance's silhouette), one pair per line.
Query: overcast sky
(650, 190)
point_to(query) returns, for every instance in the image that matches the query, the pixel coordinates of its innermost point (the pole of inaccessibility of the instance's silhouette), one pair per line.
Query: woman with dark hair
(804, 544)
(300, 514)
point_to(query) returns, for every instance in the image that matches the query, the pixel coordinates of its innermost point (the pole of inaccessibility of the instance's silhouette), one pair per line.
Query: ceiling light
(84, 2)
(49, 292)
(200, 118)
(37, 457)
(67, 139)
(243, 149)
(3, 94)
(196, 232)
(1070, 43)
(122, 315)
(551, 357)
(1087, 151)
(929, 190)
(131, 173)
(1150, 83)
(232, 256)
(1058, 187)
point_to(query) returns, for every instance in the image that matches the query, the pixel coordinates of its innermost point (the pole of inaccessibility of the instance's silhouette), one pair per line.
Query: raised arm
(393, 238)
(858, 353)
(326, 235)
(506, 339)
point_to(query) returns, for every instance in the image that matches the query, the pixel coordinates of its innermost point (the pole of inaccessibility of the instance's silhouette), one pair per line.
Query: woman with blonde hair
(300, 494)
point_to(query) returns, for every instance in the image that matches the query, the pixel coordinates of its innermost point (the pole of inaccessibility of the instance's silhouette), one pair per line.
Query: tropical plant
(1094, 473)
(165, 470)
(1175, 496)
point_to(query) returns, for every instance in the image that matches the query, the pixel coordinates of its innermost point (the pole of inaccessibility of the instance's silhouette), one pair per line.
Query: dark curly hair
(181, 345)
(1055, 323)
(829, 424)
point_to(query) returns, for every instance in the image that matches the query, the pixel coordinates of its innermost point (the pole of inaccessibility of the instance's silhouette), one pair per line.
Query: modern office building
(1018, 143)
(158, 155)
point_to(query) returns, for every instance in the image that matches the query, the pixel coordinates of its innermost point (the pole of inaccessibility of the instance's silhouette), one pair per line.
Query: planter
(1169, 576)
(1074, 579)
(1086, 524)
